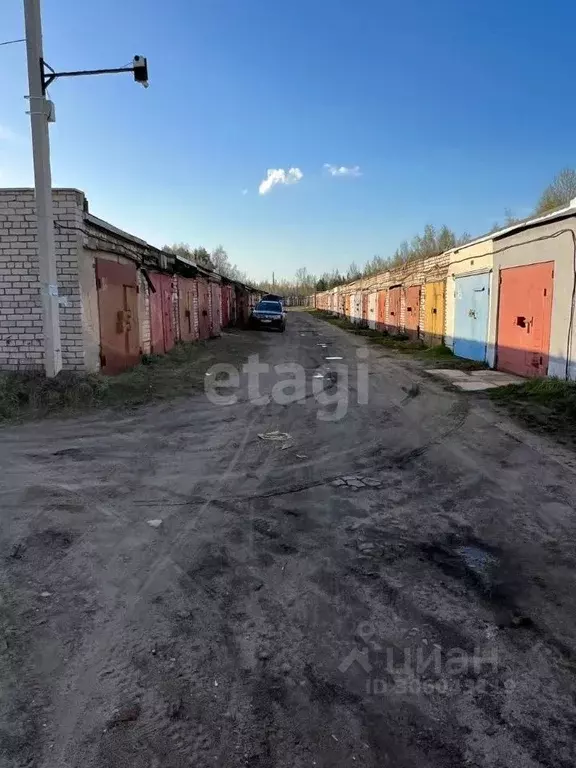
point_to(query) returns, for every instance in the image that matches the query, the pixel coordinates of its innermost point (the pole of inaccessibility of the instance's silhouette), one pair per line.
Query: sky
(299, 132)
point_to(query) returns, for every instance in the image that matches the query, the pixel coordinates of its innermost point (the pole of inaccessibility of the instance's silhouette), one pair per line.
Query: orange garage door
(524, 315)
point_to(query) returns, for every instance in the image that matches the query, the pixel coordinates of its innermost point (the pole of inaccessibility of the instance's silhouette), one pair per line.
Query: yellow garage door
(434, 316)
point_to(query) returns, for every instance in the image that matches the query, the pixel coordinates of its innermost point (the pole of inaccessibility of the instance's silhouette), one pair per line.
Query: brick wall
(80, 239)
(144, 314)
(21, 326)
(175, 308)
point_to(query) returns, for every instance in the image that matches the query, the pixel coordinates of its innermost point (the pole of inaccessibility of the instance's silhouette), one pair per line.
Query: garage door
(215, 307)
(394, 308)
(356, 307)
(412, 318)
(118, 309)
(204, 320)
(434, 312)
(365, 309)
(381, 317)
(471, 316)
(524, 316)
(372, 308)
(187, 308)
(156, 316)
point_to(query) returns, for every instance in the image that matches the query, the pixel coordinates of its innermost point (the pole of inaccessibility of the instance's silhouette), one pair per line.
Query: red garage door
(524, 316)
(156, 317)
(225, 294)
(364, 309)
(394, 308)
(412, 319)
(161, 313)
(203, 308)
(118, 309)
(215, 309)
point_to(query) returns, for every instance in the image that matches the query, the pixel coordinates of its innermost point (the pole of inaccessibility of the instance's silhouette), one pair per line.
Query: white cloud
(279, 176)
(334, 170)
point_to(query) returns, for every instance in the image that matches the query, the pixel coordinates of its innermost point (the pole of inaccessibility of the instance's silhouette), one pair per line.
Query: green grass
(550, 392)
(178, 373)
(437, 356)
(547, 405)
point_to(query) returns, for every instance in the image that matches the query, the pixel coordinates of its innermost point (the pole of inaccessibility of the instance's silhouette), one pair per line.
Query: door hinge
(102, 360)
(98, 283)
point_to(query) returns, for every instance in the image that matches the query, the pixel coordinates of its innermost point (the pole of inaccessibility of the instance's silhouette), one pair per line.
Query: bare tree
(559, 192)
(354, 272)
(222, 265)
(197, 255)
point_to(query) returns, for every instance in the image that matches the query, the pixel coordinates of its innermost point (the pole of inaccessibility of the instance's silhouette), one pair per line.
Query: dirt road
(392, 588)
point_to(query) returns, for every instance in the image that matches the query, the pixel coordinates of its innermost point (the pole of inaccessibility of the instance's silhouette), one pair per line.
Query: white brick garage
(81, 239)
(21, 336)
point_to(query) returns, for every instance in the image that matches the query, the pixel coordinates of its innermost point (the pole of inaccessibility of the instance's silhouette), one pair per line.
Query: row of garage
(119, 297)
(141, 311)
(505, 299)
(139, 300)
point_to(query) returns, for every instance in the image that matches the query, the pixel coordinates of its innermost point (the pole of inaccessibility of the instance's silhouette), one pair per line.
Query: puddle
(481, 563)
(467, 561)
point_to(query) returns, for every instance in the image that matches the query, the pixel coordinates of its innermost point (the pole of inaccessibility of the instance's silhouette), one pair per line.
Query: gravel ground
(392, 588)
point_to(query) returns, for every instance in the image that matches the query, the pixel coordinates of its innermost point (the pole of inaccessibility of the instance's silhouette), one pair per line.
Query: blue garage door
(471, 316)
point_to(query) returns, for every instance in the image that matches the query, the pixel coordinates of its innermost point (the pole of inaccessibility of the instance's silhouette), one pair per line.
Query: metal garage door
(118, 308)
(203, 308)
(472, 293)
(524, 316)
(434, 312)
(215, 310)
(356, 307)
(226, 315)
(372, 309)
(156, 317)
(364, 308)
(412, 318)
(394, 308)
(186, 305)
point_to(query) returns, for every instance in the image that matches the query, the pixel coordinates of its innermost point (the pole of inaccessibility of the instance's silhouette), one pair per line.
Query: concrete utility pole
(39, 110)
